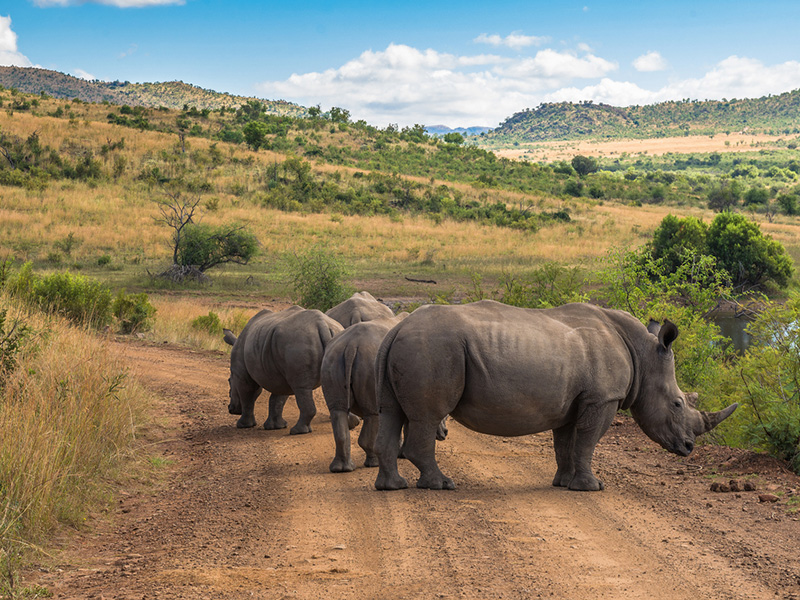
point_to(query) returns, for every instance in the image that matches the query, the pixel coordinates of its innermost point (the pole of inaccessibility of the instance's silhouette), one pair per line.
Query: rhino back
(504, 370)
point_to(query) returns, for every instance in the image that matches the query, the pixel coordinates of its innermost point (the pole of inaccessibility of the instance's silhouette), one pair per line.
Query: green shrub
(11, 337)
(133, 312)
(204, 247)
(210, 323)
(104, 261)
(317, 279)
(80, 299)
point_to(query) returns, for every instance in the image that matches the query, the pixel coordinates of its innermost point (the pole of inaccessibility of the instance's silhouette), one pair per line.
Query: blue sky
(459, 63)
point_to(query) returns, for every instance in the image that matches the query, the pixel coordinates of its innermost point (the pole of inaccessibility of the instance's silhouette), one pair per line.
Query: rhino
(348, 383)
(509, 371)
(280, 352)
(359, 307)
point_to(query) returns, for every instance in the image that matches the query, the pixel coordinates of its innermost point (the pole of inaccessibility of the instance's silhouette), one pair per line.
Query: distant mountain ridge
(779, 114)
(170, 94)
(444, 129)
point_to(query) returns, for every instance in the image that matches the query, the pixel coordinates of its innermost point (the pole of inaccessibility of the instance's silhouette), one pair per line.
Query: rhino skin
(510, 371)
(348, 383)
(359, 307)
(280, 352)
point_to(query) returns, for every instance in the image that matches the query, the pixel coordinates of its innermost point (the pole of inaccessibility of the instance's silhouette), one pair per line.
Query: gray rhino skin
(348, 383)
(280, 352)
(359, 307)
(510, 371)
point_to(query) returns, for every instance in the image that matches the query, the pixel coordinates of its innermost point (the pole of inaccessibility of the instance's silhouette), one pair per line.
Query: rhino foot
(298, 429)
(371, 461)
(245, 422)
(436, 481)
(340, 465)
(352, 421)
(275, 423)
(586, 484)
(562, 479)
(396, 482)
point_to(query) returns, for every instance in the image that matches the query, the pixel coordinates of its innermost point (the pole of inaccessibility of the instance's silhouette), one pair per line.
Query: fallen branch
(420, 280)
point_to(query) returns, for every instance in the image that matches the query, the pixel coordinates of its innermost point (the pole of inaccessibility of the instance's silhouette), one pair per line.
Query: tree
(724, 195)
(750, 257)
(675, 238)
(203, 246)
(339, 115)
(454, 138)
(177, 211)
(756, 195)
(584, 165)
(255, 134)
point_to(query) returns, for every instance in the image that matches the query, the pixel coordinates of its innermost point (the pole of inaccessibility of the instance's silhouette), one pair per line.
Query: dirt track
(256, 514)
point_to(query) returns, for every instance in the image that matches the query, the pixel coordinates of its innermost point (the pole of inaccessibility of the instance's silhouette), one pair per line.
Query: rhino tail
(383, 387)
(229, 337)
(349, 359)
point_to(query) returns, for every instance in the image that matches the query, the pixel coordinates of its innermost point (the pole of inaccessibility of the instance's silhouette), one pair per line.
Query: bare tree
(177, 211)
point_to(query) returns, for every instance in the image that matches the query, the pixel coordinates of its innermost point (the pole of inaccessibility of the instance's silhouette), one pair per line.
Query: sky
(455, 63)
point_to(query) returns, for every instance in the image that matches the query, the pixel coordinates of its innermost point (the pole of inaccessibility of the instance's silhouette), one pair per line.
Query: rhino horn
(229, 337)
(712, 419)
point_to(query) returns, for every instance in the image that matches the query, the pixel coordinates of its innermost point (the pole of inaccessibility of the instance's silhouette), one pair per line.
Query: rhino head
(665, 413)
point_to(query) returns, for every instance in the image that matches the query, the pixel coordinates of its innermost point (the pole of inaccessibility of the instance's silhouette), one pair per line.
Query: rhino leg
(564, 443)
(369, 431)
(592, 423)
(245, 393)
(387, 447)
(341, 435)
(275, 418)
(420, 449)
(305, 403)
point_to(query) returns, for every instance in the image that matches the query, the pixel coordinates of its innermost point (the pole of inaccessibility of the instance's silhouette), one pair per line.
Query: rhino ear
(667, 334)
(691, 398)
(653, 327)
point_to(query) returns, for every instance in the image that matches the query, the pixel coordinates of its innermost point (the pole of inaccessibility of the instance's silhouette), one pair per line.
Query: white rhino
(510, 371)
(348, 383)
(359, 307)
(280, 352)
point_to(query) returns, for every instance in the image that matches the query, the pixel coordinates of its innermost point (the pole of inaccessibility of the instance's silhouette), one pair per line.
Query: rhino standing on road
(510, 371)
(359, 307)
(280, 352)
(348, 383)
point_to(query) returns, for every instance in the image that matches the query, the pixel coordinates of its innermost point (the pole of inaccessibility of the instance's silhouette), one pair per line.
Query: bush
(770, 370)
(11, 337)
(750, 257)
(134, 312)
(204, 247)
(674, 237)
(317, 279)
(82, 300)
(210, 323)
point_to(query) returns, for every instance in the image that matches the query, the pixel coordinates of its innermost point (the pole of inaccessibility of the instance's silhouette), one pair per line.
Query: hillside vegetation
(568, 121)
(170, 94)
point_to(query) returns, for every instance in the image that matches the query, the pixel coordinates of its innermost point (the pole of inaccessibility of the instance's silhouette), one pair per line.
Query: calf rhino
(510, 371)
(348, 383)
(359, 307)
(280, 352)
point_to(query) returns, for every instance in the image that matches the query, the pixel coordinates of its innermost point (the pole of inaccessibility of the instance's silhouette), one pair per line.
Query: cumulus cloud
(9, 55)
(117, 3)
(652, 61)
(81, 74)
(405, 85)
(515, 41)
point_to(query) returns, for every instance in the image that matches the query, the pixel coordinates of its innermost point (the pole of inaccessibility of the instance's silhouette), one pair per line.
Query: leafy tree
(203, 246)
(749, 257)
(724, 195)
(584, 165)
(339, 115)
(255, 134)
(756, 195)
(453, 138)
(676, 237)
(788, 203)
(317, 278)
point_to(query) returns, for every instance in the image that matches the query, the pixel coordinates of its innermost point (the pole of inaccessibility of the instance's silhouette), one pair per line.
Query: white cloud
(9, 55)
(652, 61)
(516, 41)
(405, 85)
(117, 3)
(81, 74)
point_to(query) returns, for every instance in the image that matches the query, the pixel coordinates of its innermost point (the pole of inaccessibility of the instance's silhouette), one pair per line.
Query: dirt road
(256, 514)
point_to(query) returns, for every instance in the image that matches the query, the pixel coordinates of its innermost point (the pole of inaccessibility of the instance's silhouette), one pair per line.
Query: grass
(69, 419)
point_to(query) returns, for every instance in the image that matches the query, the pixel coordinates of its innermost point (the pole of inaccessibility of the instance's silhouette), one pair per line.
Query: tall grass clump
(69, 415)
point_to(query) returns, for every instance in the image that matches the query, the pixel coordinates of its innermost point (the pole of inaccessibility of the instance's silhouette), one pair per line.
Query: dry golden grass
(69, 416)
(565, 150)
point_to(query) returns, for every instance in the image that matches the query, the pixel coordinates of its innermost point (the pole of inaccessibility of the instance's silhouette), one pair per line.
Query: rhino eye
(677, 404)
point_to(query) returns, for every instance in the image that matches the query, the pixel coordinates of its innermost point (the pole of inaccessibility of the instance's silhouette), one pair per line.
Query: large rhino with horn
(280, 352)
(360, 307)
(510, 371)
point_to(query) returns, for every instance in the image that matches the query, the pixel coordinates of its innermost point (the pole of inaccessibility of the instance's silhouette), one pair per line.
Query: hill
(170, 94)
(569, 121)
